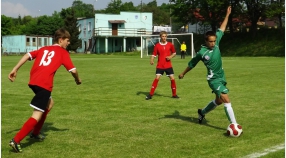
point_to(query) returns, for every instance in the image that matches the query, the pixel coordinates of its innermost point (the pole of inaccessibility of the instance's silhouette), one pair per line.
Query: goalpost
(148, 42)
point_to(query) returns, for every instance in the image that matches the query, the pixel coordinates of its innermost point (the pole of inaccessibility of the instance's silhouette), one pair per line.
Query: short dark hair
(61, 33)
(208, 34)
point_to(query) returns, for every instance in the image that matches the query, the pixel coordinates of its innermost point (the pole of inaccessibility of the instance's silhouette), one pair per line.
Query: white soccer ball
(234, 130)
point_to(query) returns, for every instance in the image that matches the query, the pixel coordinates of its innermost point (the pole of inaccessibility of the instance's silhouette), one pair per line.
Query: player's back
(47, 60)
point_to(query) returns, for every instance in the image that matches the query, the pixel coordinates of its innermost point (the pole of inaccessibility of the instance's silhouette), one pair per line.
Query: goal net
(148, 42)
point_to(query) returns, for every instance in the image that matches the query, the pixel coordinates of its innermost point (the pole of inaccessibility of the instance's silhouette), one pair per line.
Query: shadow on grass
(155, 94)
(48, 126)
(176, 115)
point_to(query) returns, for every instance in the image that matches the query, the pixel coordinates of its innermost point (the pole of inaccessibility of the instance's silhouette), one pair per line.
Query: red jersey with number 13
(162, 51)
(47, 61)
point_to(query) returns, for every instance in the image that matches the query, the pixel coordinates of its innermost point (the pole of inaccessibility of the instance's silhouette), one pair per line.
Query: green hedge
(266, 42)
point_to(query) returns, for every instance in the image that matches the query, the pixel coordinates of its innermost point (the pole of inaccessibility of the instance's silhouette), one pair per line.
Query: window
(28, 41)
(45, 41)
(89, 26)
(34, 41)
(40, 42)
(138, 42)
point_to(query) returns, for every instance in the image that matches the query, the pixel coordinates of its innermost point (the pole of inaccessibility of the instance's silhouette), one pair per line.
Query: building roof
(117, 21)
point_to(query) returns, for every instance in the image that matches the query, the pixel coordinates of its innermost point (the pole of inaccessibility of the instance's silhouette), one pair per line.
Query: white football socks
(229, 112)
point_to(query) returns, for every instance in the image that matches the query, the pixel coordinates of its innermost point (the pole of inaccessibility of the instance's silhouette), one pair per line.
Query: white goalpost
(148, 42)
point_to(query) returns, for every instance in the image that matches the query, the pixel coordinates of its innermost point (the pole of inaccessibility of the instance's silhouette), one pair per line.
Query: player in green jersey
(210, 55)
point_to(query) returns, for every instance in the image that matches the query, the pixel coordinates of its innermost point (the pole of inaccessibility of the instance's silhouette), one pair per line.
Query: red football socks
(39, 125)
(154, 86)
(173, 87)
(27, 127)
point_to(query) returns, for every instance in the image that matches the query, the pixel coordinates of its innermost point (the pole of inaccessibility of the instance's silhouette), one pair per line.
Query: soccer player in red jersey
(47, 60)
(165, 52)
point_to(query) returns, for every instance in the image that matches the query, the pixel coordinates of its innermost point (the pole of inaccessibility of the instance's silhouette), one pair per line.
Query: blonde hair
(162, 33)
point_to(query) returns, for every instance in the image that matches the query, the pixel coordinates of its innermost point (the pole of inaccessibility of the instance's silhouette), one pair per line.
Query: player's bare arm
(75, 76)
(181, 76)
(12, 75)
(224, 23)
(152, 60)
(171, 56)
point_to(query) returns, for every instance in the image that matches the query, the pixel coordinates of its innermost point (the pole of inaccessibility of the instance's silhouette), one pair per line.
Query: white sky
(14, 8)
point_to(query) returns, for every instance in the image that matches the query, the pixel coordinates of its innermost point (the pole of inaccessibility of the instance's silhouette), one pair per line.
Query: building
(23, 44)
(114, 32)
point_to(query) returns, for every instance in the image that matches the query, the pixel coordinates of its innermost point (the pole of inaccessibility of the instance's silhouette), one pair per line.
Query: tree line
(182, 12)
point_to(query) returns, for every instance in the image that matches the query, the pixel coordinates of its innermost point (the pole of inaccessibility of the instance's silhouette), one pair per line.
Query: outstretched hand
(181, 76)
(12, 76)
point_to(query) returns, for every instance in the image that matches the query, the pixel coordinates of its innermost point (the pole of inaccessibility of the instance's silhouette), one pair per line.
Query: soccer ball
(234, 130)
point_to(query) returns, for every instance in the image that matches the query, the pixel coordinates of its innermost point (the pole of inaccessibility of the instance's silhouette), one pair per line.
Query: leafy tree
(82, 9)
(113, 7)
(128, 6)
(276, 9)
(27, 19)
(43, 25)
(47, 25)
(30, 28)
(205, 11)
(160, 16)
(255, 10)
(6, 25)
(71, 25)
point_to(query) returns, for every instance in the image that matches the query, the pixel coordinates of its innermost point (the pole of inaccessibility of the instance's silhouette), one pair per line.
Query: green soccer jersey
(211, 58)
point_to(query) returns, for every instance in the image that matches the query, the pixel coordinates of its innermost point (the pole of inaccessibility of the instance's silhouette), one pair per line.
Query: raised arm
(224, 23)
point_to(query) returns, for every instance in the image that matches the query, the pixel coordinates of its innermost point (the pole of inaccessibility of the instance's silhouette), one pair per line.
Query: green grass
(108, 116)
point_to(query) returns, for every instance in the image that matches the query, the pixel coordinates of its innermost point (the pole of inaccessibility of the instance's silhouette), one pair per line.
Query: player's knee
(224, 98)
(218, 102)
(50, 104)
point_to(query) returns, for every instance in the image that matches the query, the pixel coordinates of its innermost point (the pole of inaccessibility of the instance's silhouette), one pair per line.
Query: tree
(6, 25)
(113, 7)
(205, 11)
(255, 9)
(26, 20)
(47, 25)
(276, 9)
(82, 9)
(43, 25)
(160, 15)
(71, 25)
(128, 6)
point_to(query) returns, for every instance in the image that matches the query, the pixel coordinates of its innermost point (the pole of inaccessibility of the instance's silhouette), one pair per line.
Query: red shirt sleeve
(67, 63)
(155, 51)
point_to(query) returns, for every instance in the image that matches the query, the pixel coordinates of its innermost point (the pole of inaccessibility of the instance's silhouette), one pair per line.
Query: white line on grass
(266, 151)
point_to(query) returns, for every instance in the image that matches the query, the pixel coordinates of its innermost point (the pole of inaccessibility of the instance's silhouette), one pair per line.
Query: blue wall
(23, 43)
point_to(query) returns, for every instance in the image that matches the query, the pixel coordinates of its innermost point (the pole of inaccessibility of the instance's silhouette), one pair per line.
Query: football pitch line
(266, 151)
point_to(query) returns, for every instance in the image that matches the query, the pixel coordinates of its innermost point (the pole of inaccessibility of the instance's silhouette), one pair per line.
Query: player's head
(163, 36)
(210, 39)
(62, 37)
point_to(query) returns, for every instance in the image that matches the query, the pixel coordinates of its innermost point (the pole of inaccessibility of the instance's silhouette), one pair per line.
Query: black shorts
(41, 98)
(169, 71)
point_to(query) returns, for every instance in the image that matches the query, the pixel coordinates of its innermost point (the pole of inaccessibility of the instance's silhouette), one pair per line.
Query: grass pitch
(108, 116)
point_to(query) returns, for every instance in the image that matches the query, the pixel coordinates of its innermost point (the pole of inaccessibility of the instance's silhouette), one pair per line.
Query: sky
(14, 8)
